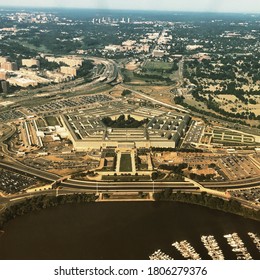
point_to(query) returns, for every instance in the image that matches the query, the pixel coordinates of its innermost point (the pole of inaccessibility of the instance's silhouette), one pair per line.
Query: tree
(126, 92)
(167, 193)
(154, 175)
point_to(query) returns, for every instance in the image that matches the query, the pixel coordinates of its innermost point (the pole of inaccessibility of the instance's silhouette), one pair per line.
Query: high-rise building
(4, 75)
(4, 86)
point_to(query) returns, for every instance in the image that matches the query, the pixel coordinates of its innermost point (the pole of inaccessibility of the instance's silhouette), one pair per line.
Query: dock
(238, 246)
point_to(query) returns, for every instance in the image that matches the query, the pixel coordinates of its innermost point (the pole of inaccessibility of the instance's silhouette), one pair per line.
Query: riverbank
(206, 200)
(209, 201)
(42, 202)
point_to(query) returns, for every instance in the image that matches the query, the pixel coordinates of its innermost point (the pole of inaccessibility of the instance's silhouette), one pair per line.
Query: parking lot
(237, 168)
(11, 182)
(81, 101)
(11, 115)
(44, 163)
(194, 134)
(247, 194)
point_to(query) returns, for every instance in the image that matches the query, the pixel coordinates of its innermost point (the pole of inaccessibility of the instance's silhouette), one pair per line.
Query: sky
(243, 6)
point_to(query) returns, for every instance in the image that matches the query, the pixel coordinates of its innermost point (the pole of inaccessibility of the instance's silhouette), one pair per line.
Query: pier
(238, 246)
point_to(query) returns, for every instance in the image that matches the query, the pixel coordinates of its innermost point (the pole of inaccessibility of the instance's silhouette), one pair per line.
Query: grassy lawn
(51, 121)
(157, 65)
(231, 137)
(40, 123)
(41, 48)
(125, 163)
(249, 140)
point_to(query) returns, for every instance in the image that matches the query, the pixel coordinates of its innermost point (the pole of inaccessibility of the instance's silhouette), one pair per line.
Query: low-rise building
(22, 82)
(9, 66)
(31, 62)
(158, 53)
(3, 59)
(71, 61)
(88, 132)
(4, 75)
(193, 47)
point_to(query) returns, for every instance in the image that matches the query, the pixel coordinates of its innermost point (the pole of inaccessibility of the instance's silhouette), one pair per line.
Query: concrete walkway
(209, 191)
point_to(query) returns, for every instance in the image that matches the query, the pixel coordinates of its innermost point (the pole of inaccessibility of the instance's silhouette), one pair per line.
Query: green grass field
(51, 121)
(40, 123)
(125, 163)
(157, 65)
(231, 137)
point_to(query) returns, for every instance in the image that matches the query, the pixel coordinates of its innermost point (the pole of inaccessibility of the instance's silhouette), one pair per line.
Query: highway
(110, 72)
(50, 177)
(109, 75)
(15, 198)
(5, 137)
(126, 186)
(179, 108)
(21, 168)
(250, 182)
(69, 189)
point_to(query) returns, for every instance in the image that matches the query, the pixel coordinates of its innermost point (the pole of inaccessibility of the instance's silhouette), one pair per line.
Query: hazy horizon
(220, 6)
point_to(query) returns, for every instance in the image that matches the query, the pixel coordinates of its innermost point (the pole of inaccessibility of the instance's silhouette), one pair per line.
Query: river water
(129, 230)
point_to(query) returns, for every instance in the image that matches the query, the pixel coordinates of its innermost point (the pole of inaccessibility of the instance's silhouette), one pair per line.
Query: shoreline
(53, 202)
(99, 231)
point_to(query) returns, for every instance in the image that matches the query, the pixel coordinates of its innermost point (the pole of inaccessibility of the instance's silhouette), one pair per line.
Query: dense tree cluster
(48, 65)
(178, 169)
(227, 116)
(201, 177)
(85, 69)
(232, 206)
(123, 122)
(126, 92)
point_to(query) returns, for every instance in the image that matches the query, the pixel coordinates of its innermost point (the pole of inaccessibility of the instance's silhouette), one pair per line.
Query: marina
(159, 255)
(186, 250)
(214, 251)
(212, 246)
(256, 239)
(238, 246)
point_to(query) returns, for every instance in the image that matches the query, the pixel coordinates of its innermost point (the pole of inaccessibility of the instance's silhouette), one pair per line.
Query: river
(128, 230)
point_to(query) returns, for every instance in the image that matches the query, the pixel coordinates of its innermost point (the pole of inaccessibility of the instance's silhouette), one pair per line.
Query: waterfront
(132, 230)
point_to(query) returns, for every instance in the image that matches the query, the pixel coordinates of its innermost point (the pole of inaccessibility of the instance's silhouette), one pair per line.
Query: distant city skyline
(236, 6)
